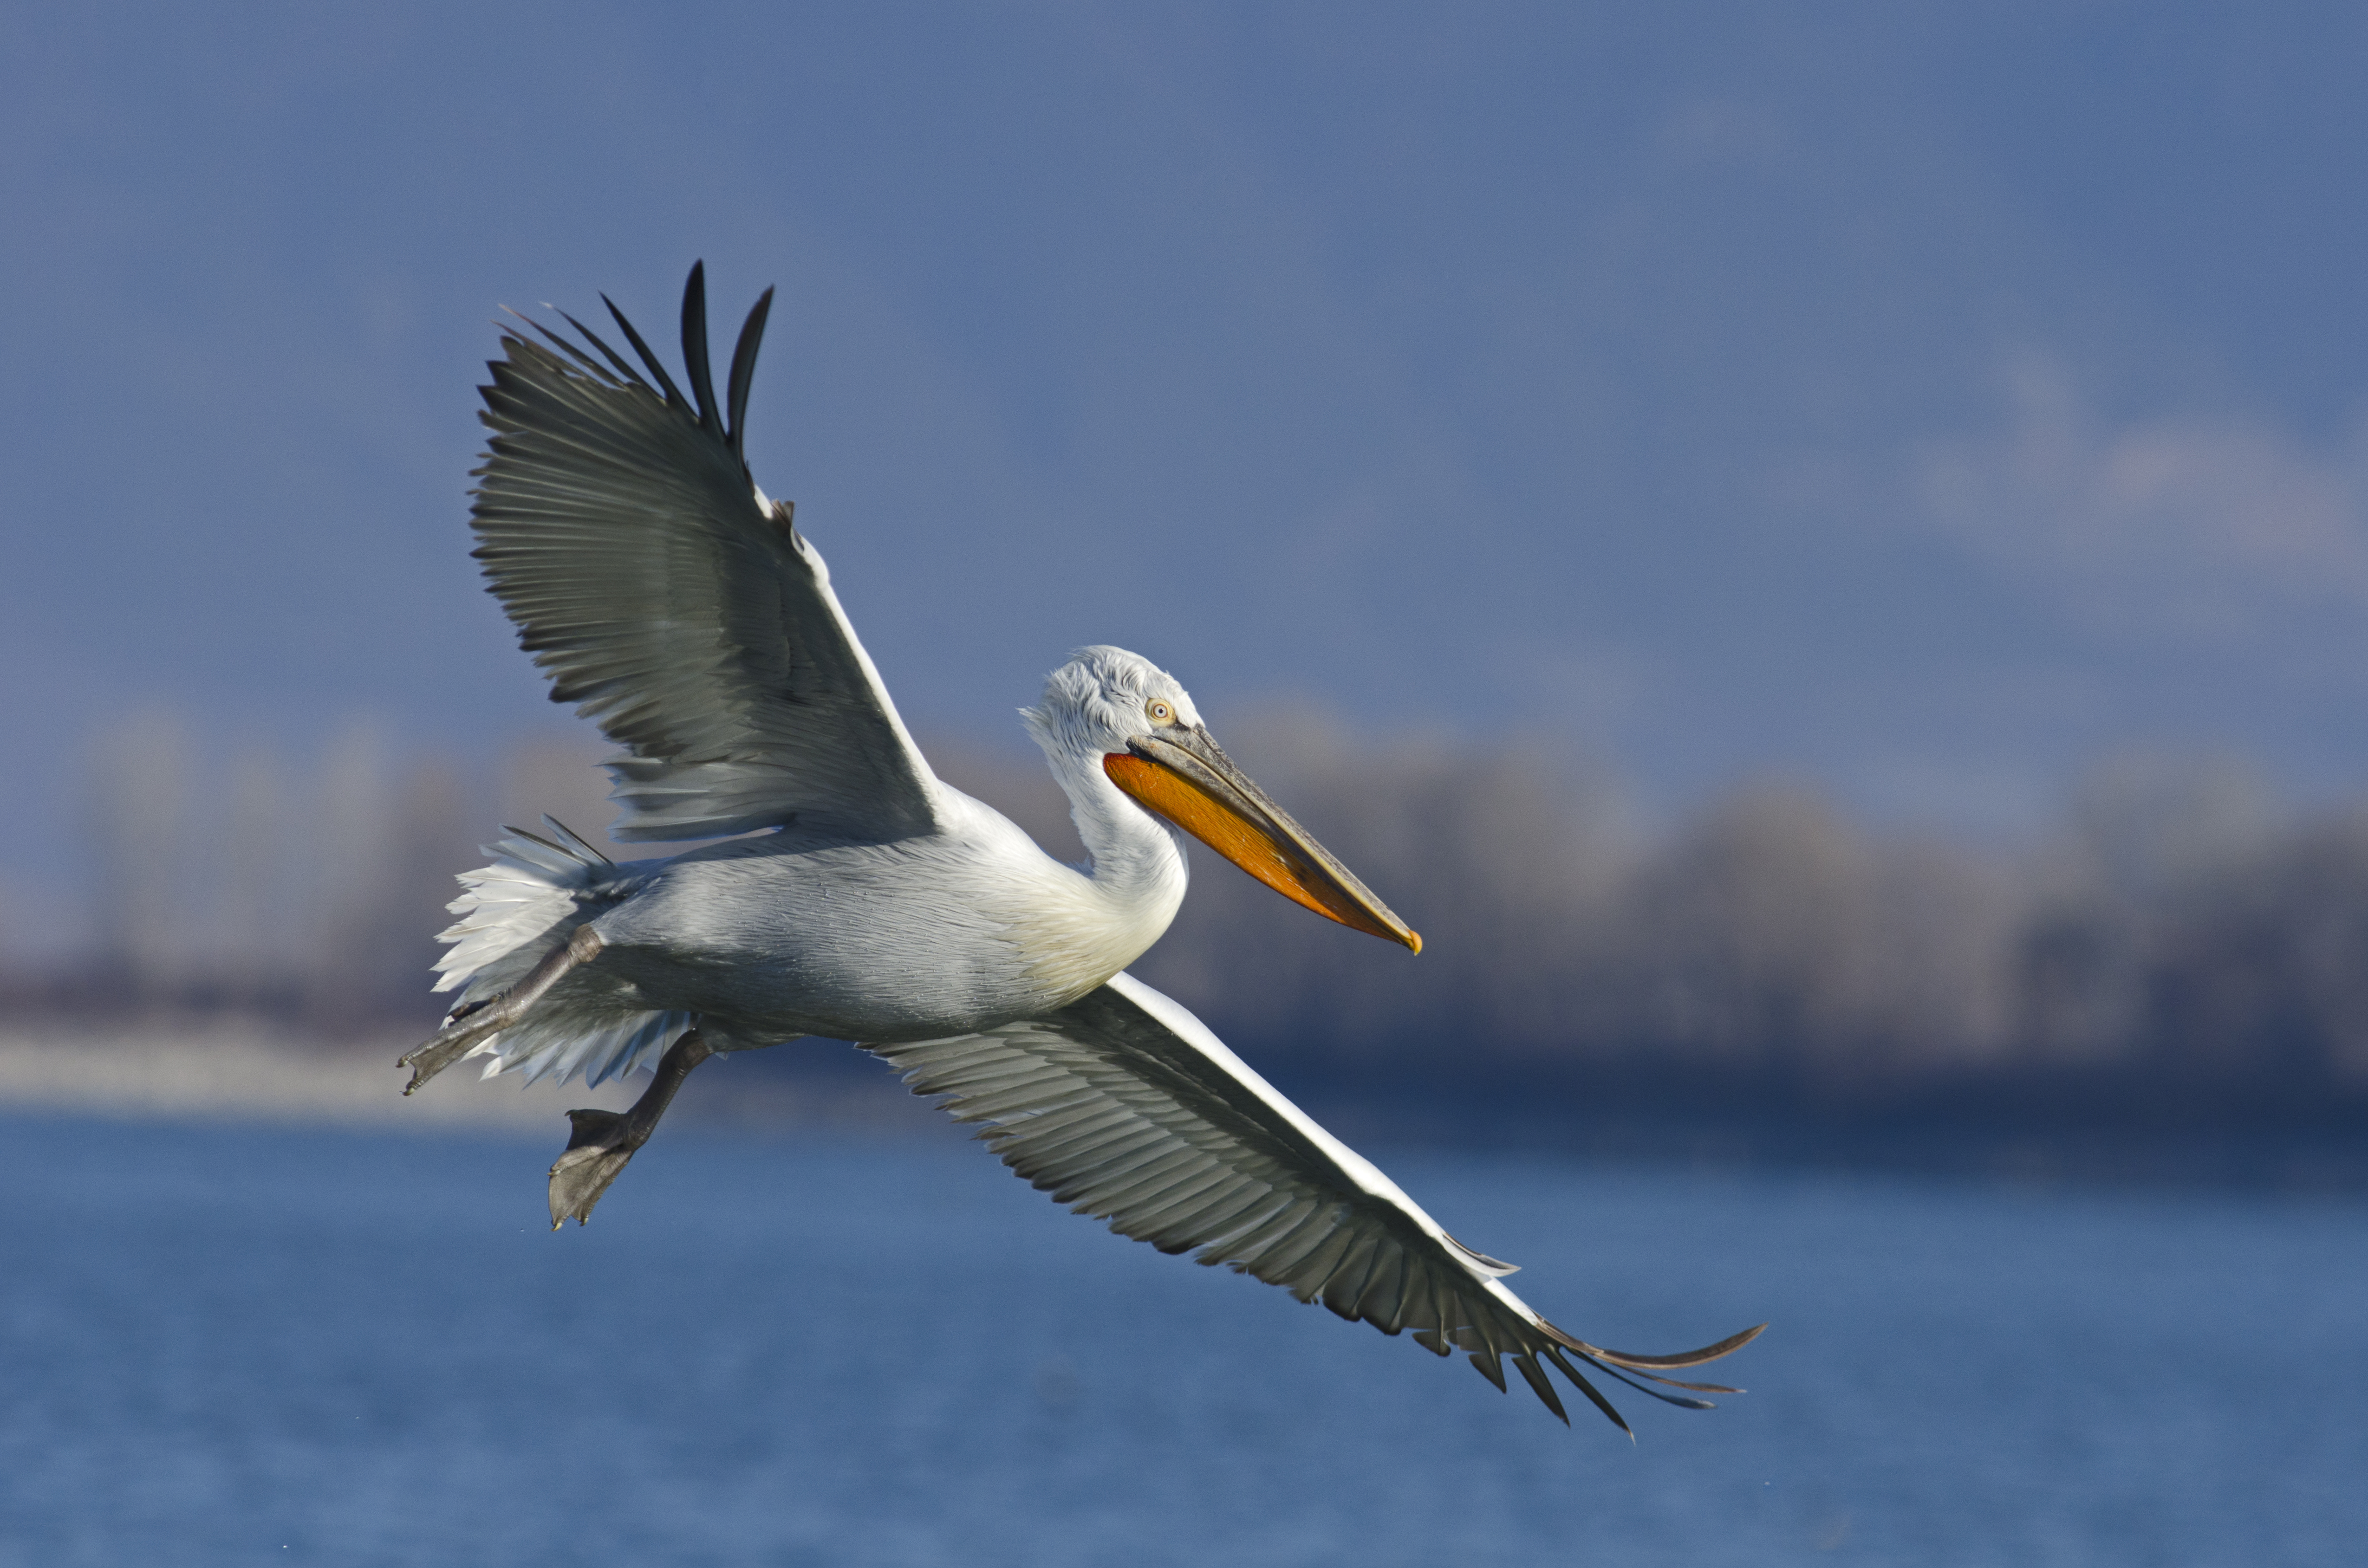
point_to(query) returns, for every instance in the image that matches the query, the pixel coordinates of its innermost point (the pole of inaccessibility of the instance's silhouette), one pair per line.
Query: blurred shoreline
(257, 1072)
(240, 1071)
(1986, 1145)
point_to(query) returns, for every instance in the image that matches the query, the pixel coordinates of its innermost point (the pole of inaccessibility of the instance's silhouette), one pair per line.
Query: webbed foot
(602, 1141)
(596, 1152)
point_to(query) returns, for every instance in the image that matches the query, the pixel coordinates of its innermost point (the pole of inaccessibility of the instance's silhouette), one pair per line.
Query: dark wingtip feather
(624, 368)
(1535, 1376)
(1698, 1388)
(1681, 1401)
(1595, 1395)
(744, 367)
(1728, 1346)
(665, 382)
(694, 346)
(509, 334)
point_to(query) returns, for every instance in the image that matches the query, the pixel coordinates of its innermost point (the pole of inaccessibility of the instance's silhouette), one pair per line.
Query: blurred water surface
(239, 1345)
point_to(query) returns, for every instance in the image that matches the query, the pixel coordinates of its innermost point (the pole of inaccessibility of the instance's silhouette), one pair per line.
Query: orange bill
(1182, 777)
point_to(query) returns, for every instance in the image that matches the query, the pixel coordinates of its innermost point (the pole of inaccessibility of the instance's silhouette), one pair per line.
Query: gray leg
(473, 1023)
(603, 1140)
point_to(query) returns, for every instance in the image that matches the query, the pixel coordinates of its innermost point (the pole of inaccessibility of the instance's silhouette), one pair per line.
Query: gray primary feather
(672, 603)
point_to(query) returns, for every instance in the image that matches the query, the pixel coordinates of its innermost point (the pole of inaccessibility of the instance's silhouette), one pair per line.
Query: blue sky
(1920, 401)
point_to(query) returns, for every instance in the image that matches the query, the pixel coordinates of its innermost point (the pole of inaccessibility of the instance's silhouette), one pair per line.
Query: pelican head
(1118, 712)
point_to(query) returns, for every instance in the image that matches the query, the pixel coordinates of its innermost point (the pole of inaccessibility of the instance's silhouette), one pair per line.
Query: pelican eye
(1161, 711)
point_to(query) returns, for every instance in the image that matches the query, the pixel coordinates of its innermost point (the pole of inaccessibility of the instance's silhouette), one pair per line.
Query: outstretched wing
(1123, 1105)
(669, 600)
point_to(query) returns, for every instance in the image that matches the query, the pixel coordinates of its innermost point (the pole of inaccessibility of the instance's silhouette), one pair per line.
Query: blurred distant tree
(250, 888)
(2257, 984)
(138, 825)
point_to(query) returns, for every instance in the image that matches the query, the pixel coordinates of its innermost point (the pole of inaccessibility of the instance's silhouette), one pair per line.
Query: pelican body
(847, 892)
(966, 925)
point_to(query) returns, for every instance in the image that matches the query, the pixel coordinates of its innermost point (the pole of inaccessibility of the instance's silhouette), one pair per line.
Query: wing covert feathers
(668, 600)
(1124, 1107)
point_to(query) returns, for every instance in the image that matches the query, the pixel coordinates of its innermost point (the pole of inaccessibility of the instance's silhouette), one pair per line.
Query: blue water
(233, 1346)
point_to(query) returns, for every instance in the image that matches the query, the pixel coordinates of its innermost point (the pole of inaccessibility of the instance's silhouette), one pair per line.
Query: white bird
(867, 900)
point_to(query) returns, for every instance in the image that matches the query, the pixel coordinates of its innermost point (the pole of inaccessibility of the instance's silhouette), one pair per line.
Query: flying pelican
(855, 895)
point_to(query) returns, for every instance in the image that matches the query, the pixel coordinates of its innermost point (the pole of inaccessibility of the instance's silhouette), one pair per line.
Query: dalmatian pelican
(846, 892)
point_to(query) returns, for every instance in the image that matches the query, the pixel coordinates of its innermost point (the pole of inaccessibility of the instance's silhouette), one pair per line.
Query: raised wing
(669, 600)
(1123, 1105)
